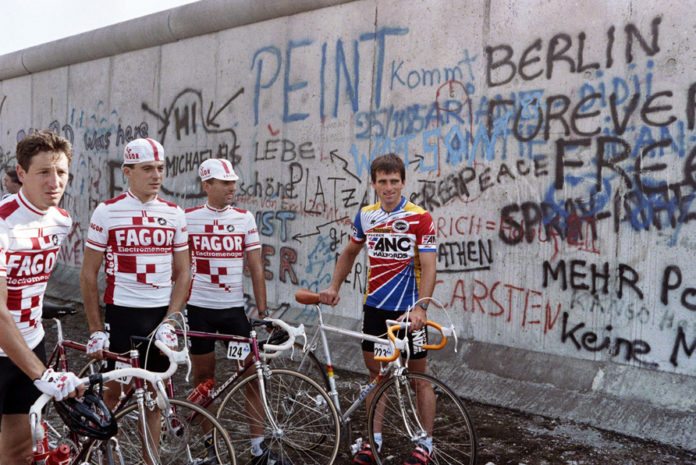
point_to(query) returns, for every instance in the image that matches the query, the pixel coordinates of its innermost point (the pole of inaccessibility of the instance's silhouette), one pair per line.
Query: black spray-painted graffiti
(592, 341)
(471, 181)
(464, 256)
(577, 276)
(681, 344)
(501, 69)
(186, 114)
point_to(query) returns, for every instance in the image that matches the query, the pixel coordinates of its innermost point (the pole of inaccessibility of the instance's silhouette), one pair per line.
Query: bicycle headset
(88, 416)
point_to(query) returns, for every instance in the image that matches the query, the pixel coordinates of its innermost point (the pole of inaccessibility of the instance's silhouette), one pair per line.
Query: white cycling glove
(166, 334)
(98, 340)
(57, 384)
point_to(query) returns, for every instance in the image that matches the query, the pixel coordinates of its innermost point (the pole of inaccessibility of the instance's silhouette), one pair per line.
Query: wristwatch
(424, 306)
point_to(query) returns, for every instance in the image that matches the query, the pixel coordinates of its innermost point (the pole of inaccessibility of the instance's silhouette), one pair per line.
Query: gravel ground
(513, 438)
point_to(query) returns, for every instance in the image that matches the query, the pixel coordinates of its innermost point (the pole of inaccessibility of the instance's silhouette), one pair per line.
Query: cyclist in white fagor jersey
(221, 237)
(32, 227)
(143, 243)
(400, 240)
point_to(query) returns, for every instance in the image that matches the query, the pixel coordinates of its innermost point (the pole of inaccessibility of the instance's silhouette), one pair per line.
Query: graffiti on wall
(560, 171)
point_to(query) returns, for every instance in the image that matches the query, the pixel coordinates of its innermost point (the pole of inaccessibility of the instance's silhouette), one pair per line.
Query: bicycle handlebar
(155, 378)
(401, 343)
(293, 332)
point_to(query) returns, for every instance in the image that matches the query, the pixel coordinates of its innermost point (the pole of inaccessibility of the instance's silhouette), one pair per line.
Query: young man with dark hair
(32, 227)
(400, 240)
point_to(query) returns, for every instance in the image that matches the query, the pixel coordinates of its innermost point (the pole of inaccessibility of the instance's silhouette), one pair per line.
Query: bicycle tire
(308, 363)
(454, 437)
(309, 423)
(91, 367)
(182, 439)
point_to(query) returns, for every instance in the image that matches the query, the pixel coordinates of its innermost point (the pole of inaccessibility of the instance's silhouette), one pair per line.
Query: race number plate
(238, 350)
(383, 350)
(118, 365)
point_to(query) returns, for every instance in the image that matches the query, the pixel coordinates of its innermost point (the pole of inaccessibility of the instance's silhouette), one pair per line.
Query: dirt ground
(513, 438)
(507, 437)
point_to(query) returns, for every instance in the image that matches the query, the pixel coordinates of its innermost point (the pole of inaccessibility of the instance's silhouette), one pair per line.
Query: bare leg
(15, 440)
(425, 395)
(373, 367)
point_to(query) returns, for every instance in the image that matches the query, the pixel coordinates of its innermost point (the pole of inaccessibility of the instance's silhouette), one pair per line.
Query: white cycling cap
(217, 168)
(142, 150)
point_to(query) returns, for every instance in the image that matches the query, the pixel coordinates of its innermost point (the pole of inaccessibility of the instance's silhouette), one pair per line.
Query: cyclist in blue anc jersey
(400, 239)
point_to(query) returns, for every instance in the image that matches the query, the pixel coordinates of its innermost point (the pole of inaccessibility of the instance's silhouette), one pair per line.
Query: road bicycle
(293, 413)
(395, 404)
(185, 434)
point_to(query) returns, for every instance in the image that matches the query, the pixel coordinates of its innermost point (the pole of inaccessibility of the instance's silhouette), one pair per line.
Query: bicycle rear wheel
(190, 435)
(395, 412)
(308, 425)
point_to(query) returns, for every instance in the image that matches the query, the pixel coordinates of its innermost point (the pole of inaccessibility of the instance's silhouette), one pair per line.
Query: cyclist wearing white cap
(220, 238)
(143, 242)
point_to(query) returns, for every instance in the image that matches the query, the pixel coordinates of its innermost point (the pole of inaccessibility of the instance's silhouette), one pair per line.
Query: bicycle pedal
(356, 446)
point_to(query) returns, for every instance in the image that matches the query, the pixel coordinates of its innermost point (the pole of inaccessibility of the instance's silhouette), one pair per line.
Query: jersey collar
(134, 197)
(29, 206)
(400, 206)
(217, 210)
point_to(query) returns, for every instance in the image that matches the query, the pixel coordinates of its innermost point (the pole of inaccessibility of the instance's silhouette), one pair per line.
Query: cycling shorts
(17, 391)
(225, 321)
(123, 322)
(375, 324)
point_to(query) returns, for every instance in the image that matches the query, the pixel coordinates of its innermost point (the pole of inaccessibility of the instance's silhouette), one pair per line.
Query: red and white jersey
(138, 240)
(218, 240)
(29, 244)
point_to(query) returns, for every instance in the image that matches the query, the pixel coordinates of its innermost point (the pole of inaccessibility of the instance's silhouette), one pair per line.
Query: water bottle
(42, 451)
(201, 393)
(59, 456)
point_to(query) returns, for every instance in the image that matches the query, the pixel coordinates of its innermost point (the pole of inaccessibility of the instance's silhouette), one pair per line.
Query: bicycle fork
(109, 453)
(277, 432)
(405, 400)
(146, 434)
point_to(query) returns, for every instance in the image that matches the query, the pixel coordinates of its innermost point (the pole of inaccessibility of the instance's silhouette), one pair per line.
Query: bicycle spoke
(396, 413)
(308, 425)
(183, 438)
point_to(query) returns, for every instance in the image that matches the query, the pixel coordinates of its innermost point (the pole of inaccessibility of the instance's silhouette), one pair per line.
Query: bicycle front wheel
(411, 407)
(188, 435)
(303, 426)
(305, 362)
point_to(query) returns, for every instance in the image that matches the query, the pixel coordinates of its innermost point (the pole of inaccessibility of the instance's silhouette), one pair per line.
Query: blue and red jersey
(394, 241)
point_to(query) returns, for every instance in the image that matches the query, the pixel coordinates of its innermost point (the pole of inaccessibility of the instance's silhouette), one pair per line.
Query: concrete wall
(552, 141)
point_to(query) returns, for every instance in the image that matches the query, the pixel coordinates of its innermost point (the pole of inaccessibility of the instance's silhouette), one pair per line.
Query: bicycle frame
(392, 364)
(391, 368)
(132, 359)
(255, 359)
(137, 387)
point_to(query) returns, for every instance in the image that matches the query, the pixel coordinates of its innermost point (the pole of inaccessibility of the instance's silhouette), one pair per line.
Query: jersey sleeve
(251, 239)
(357, 234)
(426, 235)
(181, 233)
(98, 232)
